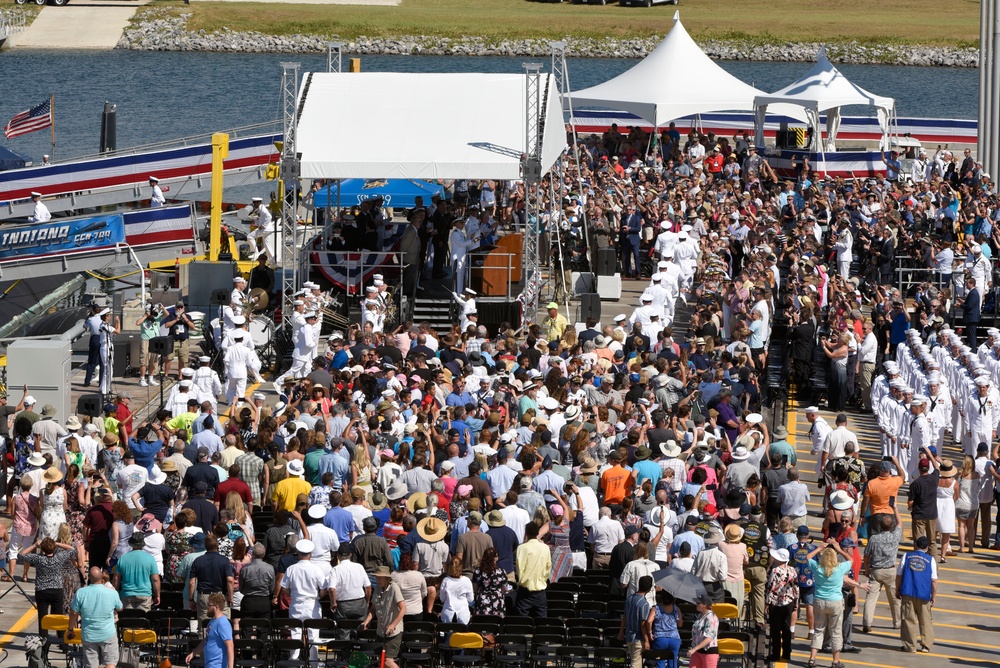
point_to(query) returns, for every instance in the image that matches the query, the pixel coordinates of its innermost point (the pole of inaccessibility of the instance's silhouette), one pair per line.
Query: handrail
(509, 267)
(203, 138)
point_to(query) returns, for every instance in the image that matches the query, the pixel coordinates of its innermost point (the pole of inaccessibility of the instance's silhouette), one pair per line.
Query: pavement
(967, 614)
(85, 24)
(366, 3)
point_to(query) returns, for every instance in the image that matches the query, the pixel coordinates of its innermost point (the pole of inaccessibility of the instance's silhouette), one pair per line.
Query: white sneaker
(142, 382)
(153, 381)
(277, 388)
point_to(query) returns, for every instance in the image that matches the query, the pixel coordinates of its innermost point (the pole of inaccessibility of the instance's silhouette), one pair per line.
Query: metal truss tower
(536, 94)
(289, 264)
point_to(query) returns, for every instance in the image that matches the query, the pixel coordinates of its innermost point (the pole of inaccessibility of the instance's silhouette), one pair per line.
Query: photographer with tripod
(149, 328)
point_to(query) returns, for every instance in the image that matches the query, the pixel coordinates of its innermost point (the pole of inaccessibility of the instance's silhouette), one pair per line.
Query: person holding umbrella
(704, 651)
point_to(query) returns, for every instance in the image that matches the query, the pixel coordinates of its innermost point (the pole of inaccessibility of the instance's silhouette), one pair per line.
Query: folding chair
(74, 648)
(287, 653)
(249, 653)
(467, 649)
(747, 643)
(512, 655)
(609, 657)
(573, 656)
(281, 628)
(55, 623)
(651, 656)
(418, 649)
(732, 652)
(137, 643)
(255, 627)
(728, 614)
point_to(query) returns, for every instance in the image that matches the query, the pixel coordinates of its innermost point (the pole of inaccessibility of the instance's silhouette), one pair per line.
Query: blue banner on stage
(61, 236)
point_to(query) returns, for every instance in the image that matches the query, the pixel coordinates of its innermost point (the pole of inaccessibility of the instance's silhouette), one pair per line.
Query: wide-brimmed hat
(36, 459)
(643, 453)
(168, 466)
(157, 476)
(431, 529)
(841, 500)
(383, 572)
(110, 439)
(495, 518)
(669, 448)
(295, 468)
(588, 466)
(52, 474)
(378, 501)
(713, 538)
(740, 453)
(48, 410)
(734, 533)
(417, 501)
(781, 554)
(572, 412)
(396, 491)
(781, 432)
(73, 423)
(947, 469)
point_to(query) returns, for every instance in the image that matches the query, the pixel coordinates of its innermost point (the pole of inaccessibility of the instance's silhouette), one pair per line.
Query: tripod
(14, 585)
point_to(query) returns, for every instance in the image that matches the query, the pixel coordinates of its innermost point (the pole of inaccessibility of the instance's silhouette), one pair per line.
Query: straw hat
(734, 533)
(416, 502)
(52, 474)
(431, 529)
(948, 469)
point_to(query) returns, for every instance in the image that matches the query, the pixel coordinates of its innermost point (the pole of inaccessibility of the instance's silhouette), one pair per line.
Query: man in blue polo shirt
(94, 608)
(916, 585)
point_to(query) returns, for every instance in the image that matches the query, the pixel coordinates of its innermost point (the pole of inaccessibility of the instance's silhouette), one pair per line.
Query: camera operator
(149, 328)
(179, 326)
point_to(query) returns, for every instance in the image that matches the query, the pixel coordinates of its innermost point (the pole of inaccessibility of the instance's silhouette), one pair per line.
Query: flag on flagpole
(36, 118)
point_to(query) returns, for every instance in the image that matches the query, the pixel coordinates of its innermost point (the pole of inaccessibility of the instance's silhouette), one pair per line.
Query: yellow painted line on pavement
(27, 618)
(805, 655)
(937, 639)
(937, 624)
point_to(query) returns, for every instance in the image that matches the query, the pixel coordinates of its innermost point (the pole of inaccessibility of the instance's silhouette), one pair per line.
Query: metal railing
(11, 23)
(508, 267)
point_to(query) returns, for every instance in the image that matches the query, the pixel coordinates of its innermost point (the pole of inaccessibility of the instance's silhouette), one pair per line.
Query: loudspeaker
(221, 297)
(123, 354)
(161, 345)
(89, 404)
(607, 262)
(590, 306)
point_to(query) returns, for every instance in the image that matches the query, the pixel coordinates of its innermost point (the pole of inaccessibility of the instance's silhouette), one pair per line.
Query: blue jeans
(673, 644)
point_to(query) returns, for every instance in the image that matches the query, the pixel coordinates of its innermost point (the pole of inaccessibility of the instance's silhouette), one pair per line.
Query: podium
(501, 267)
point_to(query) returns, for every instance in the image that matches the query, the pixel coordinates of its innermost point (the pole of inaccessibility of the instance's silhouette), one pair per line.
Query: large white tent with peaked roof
(824, 89)
(675, 80)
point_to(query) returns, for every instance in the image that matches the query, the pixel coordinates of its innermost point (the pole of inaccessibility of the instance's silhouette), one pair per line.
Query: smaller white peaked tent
(675, 80)
(825, 89)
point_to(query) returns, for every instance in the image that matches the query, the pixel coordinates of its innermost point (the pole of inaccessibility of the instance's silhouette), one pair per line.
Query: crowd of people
(411, 475)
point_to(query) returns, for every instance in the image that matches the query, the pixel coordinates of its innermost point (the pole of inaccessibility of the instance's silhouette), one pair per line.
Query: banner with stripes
(350, 272)
(164, 225)
(134, 169)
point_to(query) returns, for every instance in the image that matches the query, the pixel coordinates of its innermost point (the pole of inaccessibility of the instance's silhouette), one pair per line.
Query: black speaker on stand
(607, 262)
(89, 404)
(590, 306)
(161, 345)
(221, 297)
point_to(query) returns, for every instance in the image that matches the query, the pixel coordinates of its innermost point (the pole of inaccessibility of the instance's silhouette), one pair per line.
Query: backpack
(36, 651)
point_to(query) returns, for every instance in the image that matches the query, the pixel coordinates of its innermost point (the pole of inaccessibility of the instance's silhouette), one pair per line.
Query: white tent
(675, 80)
(824, 89)
(387, 125)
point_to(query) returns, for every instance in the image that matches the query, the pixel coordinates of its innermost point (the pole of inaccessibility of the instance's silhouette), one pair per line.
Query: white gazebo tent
(347, 129)
(675, 80)
(824, 89)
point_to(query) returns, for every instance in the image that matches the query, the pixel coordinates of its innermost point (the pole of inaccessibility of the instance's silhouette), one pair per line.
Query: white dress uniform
(265, 231)
(239, 360)
(41, 214)
(818, 433)
(939, 409)
(207, 382)
(460, 247)
(686, 257)
(156, 198)
(468, 305)
(661, 300)
(306, 340)
(921, 436)
(177, 400)
(844, 248)
(982, 416)
(305, 580)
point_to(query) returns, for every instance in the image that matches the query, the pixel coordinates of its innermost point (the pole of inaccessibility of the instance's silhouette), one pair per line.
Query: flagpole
(52, 118)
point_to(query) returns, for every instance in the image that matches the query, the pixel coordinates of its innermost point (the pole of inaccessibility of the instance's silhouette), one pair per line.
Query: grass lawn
(925, 22)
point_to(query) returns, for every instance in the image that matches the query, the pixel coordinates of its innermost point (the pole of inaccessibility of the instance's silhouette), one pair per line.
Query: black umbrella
(683, 586)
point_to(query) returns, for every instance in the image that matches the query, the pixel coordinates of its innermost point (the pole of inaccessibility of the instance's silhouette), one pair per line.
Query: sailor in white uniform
(264, 229)
(467, 303)
(238, 296)
(818, 431)
(239, 360)
(460, 247)
(921, 437)
(982, 415)
(642, 313)
(306, 581)
(304, 352)
(41, 214)
(177, 401)
(207, 382)
(939, 408)
(156, 198)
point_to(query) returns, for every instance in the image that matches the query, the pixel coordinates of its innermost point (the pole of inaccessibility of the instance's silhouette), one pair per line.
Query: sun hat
(157, 476)
(295, 468)
(669, 448)
(52, 474)
(317, 511)
(396, 491)
(73, 423)
(841, 500)
(383, 572)
(734, 533)
(781, 554)
(588, 466)
(495, 518)
(168, 466)
(415, 502)
(431, 529)
(781, 432)
(713, 538)
(947, 469)
(643, 453)
(740, 453)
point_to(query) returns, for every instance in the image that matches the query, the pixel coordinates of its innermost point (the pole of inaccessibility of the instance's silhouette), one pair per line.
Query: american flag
(36, 118)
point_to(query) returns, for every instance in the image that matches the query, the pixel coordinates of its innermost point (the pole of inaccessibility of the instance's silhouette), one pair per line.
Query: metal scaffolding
(289, 262)
(334, 56)
(531, 173)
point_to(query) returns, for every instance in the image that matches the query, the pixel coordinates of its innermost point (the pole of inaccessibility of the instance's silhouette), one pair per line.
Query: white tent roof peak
(824, 87)
(675, 80)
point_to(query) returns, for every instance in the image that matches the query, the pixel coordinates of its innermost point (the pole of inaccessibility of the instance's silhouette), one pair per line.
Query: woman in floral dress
(177, 537)
(77, 502)
(491, 585)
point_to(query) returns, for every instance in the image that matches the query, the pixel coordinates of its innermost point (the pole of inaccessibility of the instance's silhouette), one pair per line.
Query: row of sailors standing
(680, 249)
(953, 390)
(658, 301)
(375, 305)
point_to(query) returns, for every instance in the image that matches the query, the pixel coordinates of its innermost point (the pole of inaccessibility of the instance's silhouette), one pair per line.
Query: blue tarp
(398, 193)
(11, 160)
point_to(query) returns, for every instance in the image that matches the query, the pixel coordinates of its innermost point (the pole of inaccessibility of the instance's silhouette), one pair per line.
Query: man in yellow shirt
(533, 565)
(287, 490)
(555, 324)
